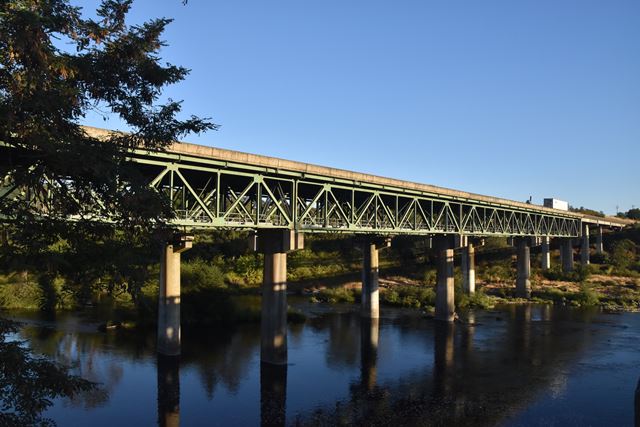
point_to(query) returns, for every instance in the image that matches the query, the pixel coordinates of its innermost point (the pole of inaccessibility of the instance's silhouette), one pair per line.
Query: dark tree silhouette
(56, 65)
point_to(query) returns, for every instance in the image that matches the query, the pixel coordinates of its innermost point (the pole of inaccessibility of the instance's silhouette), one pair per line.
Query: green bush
(245, 269)
(336, 295)
(478, 300)
(409, 296)
(555, 295)
(430, 277)
(587, 296)
(198, 275)
(497, 273)
(594, 269)
(579, 274)
(623, 254)
(27, 295)
(316, 271)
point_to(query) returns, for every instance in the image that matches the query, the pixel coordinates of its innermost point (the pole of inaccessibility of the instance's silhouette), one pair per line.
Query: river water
(518, 365)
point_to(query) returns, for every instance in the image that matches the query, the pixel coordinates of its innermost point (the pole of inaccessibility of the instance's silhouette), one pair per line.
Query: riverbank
(612, 293)
(221, 281)
(228, 304)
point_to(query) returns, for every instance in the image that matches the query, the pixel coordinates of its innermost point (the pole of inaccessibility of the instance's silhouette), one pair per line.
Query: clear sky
(507, 98)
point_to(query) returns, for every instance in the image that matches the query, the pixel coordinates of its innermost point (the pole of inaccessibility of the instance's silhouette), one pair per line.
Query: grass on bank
(226, 289)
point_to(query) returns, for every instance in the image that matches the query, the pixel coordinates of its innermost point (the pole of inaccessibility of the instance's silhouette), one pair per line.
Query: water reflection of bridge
(478, 375)
(479, 372)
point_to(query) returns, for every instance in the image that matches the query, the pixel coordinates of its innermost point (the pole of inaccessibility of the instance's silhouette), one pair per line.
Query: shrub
(623, 254)
(25, 295)
(594, 269)
(336, 295)
(498, 272)
(478, 299)
(409, 296)
(579, 274)
(587, 296)
(550, 294)
(430, 277)
(247, 268)
(198, 275)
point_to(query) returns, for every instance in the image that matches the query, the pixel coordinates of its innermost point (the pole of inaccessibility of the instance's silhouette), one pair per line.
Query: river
(517, 365)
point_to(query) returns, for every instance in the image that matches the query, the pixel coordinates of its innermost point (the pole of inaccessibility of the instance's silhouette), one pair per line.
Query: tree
(633, 214)
(623, 253)
(586, 211)
(55, 66)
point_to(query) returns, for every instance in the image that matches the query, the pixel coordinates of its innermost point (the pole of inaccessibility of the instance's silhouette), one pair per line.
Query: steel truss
(207, 193)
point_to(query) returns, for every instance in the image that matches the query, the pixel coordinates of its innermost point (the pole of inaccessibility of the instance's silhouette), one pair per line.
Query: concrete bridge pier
(584, 247)
(566, 254)
(468, 267)
(274, 244)
(169, 296)
(370, 300)
(599, 245)
(523, 278)
(546, 253)
(445, 307)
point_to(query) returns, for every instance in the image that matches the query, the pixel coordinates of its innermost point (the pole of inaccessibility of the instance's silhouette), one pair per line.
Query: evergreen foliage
(56, 66)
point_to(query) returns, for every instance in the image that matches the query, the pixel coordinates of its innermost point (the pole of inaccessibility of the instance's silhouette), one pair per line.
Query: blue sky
(512, 99)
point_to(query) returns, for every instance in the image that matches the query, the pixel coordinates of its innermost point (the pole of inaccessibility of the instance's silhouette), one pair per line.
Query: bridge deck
(216, 188)
(307, 169)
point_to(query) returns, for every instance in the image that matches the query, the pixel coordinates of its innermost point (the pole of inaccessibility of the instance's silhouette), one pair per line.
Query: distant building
(556, 204)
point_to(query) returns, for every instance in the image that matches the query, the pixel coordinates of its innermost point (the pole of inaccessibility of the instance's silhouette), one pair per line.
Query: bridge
(281, 200)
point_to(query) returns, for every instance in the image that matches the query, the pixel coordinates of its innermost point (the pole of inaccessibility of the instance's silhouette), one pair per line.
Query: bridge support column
(468, 267)
(169, 297)
(523, 282)
(599, 246)
(370, 293)
(274, 244)
(584, 248)
(546, 253)
(445, 308)
(370, 272)
(566, 253)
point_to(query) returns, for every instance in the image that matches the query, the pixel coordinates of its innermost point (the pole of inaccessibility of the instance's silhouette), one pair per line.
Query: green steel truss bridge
(216, 188)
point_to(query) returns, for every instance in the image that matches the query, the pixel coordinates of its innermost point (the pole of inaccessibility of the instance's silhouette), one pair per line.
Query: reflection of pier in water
(168, 391)
(369, 334)
(477, 375)
(476, 372)
(273, 394)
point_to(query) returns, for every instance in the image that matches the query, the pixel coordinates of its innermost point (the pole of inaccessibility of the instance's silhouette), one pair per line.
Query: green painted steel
(210, 193)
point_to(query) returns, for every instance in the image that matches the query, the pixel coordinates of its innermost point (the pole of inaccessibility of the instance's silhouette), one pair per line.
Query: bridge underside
(206, 193)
